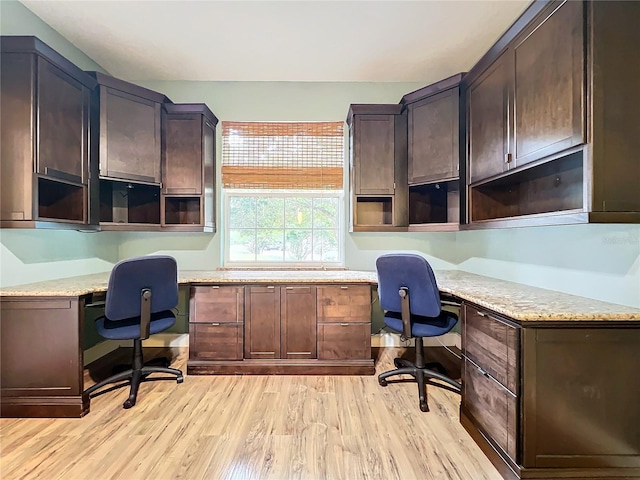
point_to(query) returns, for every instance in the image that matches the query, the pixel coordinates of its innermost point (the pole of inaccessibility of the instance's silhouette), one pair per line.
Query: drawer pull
(481, 313)
(271, 287)
(215, 324)
(344, 324)
(344, 288)
(215, 286)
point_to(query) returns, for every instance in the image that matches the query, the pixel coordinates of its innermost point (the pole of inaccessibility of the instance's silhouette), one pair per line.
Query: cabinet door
(208, 156)
(262, 322)
(298, 322)
(549, 85)
(16, 142)
(216, 304)
(489, 120)
(62, 116)
(374, 148)
(182, 156)
(433, 138)
(130, 136)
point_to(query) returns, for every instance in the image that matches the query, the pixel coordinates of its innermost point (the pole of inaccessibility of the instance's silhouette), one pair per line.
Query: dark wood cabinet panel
(262, 322)
(488, 120)
(433, 132)
(493, 345)
(298, 304)
(373, 162)
(17, 80)
(222, 304)
(217, 341)
(583, 410)
(63, 115)
(549, 85)
(41, 373)
(344, 303)
(340, 341)
(130, 136)
(209, 158)
(182, 155)
(491, 406)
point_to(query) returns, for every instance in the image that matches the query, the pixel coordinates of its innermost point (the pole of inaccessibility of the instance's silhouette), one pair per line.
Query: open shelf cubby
(554, 186)
(182, 211)
(374, 211)
(128, 202)
(434, 203)
(60, 200)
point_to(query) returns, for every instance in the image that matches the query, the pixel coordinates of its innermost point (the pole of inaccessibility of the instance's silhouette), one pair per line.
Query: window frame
(228, 193)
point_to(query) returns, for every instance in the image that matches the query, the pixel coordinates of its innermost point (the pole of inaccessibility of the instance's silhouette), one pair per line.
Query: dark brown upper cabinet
(377, 154)
(552, 122)
(129, 130)
(127, 142)
(45, 165)
(433, 115)
(529, 103)
(188, 167)
(433, 154)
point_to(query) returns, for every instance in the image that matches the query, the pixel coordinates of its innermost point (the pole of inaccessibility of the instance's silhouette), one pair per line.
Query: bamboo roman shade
(282, 155)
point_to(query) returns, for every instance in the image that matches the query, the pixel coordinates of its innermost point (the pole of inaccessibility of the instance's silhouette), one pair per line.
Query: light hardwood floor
(252, 427)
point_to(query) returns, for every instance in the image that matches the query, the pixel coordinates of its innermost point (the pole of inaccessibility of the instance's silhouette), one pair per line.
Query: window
(283, 193)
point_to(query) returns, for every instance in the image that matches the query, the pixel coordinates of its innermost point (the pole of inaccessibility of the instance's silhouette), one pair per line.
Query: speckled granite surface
(514, 300)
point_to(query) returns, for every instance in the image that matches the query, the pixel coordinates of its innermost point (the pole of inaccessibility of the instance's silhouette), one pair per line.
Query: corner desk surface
(517, 301)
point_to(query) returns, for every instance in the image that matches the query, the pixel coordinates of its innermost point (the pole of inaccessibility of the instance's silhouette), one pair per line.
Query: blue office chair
(409, 295)
(141, 293)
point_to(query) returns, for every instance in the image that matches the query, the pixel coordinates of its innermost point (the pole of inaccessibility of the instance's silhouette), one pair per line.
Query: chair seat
(423, 326)
(129, 328)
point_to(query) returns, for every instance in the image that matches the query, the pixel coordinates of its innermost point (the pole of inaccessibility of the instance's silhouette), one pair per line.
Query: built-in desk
(550, 381)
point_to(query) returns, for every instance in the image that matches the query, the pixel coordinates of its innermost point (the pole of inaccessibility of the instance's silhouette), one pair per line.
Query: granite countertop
(518, 301)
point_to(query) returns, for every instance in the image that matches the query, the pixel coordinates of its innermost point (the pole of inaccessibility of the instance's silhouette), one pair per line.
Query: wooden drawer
(492, 345)
(216, 304)
(492, 407)
(344, 303)
(215, 341)
(344, 341)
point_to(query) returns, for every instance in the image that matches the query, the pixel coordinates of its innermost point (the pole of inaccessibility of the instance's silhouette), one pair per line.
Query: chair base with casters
(137, 374)
(420, 372)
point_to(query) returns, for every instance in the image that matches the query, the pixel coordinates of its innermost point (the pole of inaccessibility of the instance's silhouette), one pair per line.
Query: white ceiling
(360, 41)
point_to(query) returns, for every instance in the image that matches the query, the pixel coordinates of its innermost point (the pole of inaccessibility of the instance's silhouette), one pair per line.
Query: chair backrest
(129, 277)
(397, 270)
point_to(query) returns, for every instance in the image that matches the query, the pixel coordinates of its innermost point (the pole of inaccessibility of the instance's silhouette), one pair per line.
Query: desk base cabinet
(280, 329)
(552, 399)
(41, 372)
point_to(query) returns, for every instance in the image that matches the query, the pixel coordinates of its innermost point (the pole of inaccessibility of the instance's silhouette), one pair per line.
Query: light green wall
(33, 255)
(596, 261)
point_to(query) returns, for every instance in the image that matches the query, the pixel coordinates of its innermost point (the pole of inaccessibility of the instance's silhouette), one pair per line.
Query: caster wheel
(383, 382)
(424, 406)
(128, 404)
(180, 379)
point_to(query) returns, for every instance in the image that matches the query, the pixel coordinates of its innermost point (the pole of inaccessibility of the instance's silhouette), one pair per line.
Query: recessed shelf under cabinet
(182, 210)
(552, 187)
(129, 206)
(61, 201)
(434, 206)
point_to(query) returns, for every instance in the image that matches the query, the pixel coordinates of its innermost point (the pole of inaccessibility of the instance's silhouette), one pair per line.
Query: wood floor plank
(250, 427)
